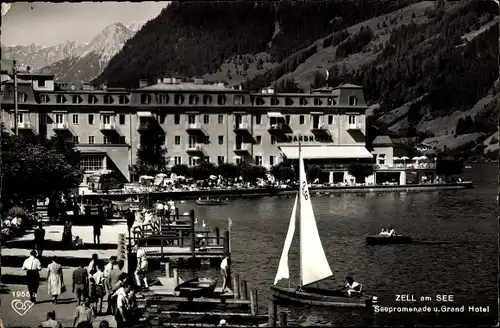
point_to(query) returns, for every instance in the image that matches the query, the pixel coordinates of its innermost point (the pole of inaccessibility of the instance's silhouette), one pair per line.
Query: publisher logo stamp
(21, 307)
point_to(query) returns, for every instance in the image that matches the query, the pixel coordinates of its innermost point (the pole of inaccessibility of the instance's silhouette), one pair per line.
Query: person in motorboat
(383, 232)
(392, 232)
(353, 287)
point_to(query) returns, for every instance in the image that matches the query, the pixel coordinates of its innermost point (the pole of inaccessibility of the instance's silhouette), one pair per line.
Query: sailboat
(314, 266)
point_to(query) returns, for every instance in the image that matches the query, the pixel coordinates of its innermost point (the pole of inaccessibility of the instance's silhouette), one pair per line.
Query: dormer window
(239, 100)
(317, 102)
(108, 99)
(303, 101)
(22, 97)
(145, 99)
(77, 99)
(331, 101)
(162, 98)
(60, 99)
(275, 101)
(207, 100)
(353, 101)
(179, 99)
(92, 99)
(193, 99)
(221, 99)
(44, 99)
(123, 99)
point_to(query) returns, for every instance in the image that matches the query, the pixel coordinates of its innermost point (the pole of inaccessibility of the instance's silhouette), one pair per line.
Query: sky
(48, 24)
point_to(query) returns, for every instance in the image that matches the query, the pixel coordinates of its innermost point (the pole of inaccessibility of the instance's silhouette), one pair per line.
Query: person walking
(83, 313)
(100, 289)
(115, 276)
(97, 231)
(39, 239)
(142, 269)
(121, 306)
(92, 268)
(67, 237)
(107, 283)
(32, 266)
(80, 283)
(55, 280)
(51, 321)
(225, 268)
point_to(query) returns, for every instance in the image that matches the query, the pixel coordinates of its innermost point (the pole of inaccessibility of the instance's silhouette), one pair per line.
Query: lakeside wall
(270, 192)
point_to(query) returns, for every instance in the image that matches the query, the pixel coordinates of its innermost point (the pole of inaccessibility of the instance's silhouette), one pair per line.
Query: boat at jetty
(211, 201)
(314, 266)
(387, 240)
(197, 287)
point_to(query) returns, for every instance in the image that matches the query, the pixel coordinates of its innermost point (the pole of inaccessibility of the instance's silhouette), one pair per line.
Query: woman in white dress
(55, 279)
(142, 268)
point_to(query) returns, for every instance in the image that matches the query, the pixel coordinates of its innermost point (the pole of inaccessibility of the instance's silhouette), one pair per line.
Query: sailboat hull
(322, 297)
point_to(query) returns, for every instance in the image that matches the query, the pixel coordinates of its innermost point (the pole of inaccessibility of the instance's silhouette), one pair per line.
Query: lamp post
(130, 222)
(14, 72)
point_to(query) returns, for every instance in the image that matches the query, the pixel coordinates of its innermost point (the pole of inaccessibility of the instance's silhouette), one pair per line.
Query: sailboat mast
(298, 213)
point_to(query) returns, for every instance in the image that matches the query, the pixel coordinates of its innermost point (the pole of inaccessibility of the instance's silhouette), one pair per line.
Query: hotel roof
(186, 86)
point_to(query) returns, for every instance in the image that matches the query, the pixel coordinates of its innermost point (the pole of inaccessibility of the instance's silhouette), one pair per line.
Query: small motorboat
(197, 287)
(211, 201)
(387, 240)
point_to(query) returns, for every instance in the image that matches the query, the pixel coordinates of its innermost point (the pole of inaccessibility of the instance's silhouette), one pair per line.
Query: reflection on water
(464, 266)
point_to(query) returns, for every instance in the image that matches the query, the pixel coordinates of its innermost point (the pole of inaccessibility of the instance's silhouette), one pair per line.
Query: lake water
(465, 267)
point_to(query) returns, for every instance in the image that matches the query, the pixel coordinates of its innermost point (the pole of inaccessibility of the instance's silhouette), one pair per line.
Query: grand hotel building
(200, 122)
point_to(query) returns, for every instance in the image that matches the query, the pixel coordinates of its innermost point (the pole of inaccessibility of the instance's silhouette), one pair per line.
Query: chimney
(198, 80)
(263, 91)
(143, 83)
(73, 87)
(270, 90)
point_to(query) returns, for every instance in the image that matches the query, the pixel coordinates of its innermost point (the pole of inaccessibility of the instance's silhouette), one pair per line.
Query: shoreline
(272, 192)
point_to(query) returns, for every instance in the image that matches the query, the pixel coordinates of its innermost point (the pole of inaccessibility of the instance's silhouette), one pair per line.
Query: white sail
(283, 269)
(313, 263)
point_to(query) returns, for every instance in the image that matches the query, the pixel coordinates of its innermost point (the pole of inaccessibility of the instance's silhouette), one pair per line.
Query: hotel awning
(144, 114)
(274, 114)
(326, 152)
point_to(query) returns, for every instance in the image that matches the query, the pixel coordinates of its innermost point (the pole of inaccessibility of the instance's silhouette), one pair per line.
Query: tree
(313, 172)
(203, 171)
(360, 171)
(448, 166)
(228, 170)
(283, 172)
(151, 156)
(251, 173)
(180, 169)
(112, 180)
(44, 168)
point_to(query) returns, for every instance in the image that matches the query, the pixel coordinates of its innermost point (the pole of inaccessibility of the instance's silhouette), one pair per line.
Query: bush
(17, 211)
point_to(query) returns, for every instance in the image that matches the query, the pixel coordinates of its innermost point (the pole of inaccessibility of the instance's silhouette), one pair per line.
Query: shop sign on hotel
(305, 138)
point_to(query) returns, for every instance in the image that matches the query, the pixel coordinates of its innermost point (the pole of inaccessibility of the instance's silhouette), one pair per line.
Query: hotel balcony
(243, 148)
(277, 127)
(242, 127)
(319, 128)
(195, 149)
(195, 128)
(108, 127)
(24, 126)
(355, 126)
(60, 127)
(146, 125)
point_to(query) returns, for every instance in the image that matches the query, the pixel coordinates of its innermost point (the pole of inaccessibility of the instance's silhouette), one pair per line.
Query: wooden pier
(175, 239)
(237, 308)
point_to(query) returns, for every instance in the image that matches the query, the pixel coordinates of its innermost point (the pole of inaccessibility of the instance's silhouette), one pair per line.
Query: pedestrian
(92, 268)
(80, 283)
(83, 313)
(51, 321)
(107, 283)
(225, 268)
(32, 266)
(100, 289)
(142, 269)
(122, 279)
(97, 231)
(39, 239)
(67, 237)
(121, 306)
(55, 280)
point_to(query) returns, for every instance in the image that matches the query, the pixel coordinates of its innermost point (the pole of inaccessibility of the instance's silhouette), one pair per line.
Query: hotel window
(106, 118)
(59, 119)
(44, 99)
(381, 159)
(41, 83)
(191, 119)
(91, 119)
(177, 118)
(220, 160)
(221, 119)
(331, 101)
(178, 160)
(179, 99)
(207, 100)
(273, 140)
(20, 117)
(221, 140)
(60, 99)
(193, 161)
(287, 119)
(221, 99)
(206, 119)
(206, 140)
(108, 99)
(162, 118)
(330, 119)
(91, 140)
(77, 99)
(162, 99)
(177, 140)
(258, 119)
(206, 159)
(353, 101)
(121, 119)
(107, 140)
(352, 119)
(145, 99)
(271, 160)
(301, 119)
(123, 100)
(22, 97)
(91, 162)
(258, 160)
(193, 100)
(75, 119)
(239, 100)
(258, 140)
(43, 118)
(76, 140)
(122, 140)
(92, 99)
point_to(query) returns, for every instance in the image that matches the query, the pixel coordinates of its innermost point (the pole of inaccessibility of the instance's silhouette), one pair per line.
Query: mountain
(39, 56)
(95, 56)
